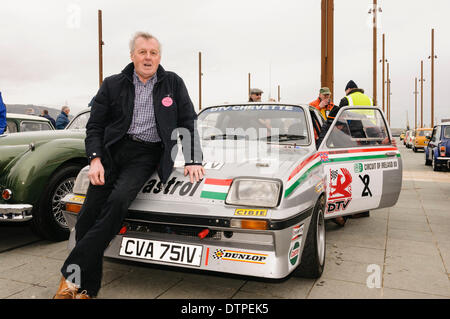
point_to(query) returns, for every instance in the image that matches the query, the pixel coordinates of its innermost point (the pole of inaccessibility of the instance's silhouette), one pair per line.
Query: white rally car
(261, 208)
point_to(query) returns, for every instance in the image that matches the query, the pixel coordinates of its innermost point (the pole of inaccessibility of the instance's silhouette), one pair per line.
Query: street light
(374, 11)
(384, 61)
(421, 93)
(432, 57)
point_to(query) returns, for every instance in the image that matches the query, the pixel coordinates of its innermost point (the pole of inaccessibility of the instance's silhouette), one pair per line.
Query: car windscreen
(79, 122)
(271, 123)
(424, 133)
(447, 132)
(29, 126)
(359, 127)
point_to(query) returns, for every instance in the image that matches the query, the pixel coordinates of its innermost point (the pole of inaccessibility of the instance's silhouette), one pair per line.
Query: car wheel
(414, 149)
(312, 262)
(48, 220)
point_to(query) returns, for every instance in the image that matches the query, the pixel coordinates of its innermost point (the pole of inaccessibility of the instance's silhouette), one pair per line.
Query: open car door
(363, 169)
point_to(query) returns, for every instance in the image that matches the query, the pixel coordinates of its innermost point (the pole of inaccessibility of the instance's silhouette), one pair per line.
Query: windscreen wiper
(226, 137)
(285, 137)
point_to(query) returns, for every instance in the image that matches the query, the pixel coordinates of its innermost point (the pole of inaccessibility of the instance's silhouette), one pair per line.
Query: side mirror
(429, 138)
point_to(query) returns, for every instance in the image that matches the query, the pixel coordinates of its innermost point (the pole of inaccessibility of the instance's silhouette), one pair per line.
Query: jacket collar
(129, 70)
(356, 91)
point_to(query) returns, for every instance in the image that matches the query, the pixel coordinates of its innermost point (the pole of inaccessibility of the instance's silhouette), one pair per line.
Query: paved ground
(409, 244)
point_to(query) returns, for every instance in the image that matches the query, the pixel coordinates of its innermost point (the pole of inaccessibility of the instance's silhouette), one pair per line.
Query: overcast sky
(49, 52)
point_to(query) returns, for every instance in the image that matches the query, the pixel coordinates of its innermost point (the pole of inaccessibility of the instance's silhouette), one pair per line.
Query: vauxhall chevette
(261, 208)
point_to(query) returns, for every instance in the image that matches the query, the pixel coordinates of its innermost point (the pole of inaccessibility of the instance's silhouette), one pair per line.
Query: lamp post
(374, 11)
(388, 98)
(327, 45)
(421, 93)
(432, 57)
(200, 74)
(100, 49)
(383, 61)
(415, 104)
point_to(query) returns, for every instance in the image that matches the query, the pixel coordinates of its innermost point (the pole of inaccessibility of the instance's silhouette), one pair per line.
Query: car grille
(185, 231)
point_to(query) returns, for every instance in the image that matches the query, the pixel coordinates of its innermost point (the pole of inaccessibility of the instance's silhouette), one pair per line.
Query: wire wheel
(61, 190)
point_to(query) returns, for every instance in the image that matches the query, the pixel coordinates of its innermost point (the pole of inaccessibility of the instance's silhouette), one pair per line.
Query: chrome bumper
(15, 212)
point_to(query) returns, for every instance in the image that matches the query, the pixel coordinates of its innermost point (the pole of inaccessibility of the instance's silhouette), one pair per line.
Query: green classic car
(37, 169)
(26, 123)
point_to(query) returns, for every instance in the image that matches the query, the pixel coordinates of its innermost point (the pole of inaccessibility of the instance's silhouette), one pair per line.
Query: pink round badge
(167, 101)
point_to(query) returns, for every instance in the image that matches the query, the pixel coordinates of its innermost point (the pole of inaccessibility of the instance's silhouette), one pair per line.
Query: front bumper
(15, 212)
(268, 254)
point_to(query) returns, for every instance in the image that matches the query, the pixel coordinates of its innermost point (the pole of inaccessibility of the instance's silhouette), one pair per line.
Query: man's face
(256, 97)
(67, 111)
(324, 96)
(146, 57)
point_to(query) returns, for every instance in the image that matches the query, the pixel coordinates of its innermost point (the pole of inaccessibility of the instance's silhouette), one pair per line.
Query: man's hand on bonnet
(196, 172)
(96, 172)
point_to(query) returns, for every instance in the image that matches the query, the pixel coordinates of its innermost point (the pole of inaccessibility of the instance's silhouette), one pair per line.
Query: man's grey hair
(64, 108)
(144, 35)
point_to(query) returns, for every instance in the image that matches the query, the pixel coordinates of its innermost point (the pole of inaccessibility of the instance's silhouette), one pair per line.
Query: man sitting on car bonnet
(128, 138)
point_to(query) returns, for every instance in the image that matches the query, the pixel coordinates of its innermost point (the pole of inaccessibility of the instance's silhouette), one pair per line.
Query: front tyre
(48, 221)
(312, 262)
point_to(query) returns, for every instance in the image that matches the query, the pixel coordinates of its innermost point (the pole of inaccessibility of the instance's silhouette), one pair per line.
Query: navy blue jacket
(61, 121)
(51, 119)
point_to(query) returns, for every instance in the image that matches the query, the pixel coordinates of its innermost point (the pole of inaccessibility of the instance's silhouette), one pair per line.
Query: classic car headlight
(82, 182)
(254, 192)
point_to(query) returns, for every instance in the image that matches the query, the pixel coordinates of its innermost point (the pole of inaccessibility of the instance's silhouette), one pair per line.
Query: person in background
(255, 95)
(44, 113)
(323, 103)
(354, 97)
(2, 115)
(63, 118)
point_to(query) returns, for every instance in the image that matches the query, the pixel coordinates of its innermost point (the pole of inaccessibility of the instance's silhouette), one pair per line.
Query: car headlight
(82, 182)
(254, 192)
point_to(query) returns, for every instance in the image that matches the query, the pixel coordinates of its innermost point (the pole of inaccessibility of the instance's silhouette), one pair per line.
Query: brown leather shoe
(66, 290)
(83, 295)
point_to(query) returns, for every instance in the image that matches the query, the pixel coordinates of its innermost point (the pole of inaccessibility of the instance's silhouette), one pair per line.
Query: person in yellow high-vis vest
(354, 97)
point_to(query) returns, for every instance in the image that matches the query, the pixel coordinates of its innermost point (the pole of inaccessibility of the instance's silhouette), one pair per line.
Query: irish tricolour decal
(341, 157)
(216, 188)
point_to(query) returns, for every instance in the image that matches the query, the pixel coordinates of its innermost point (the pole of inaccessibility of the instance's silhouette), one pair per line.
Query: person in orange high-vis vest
(323, 102)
